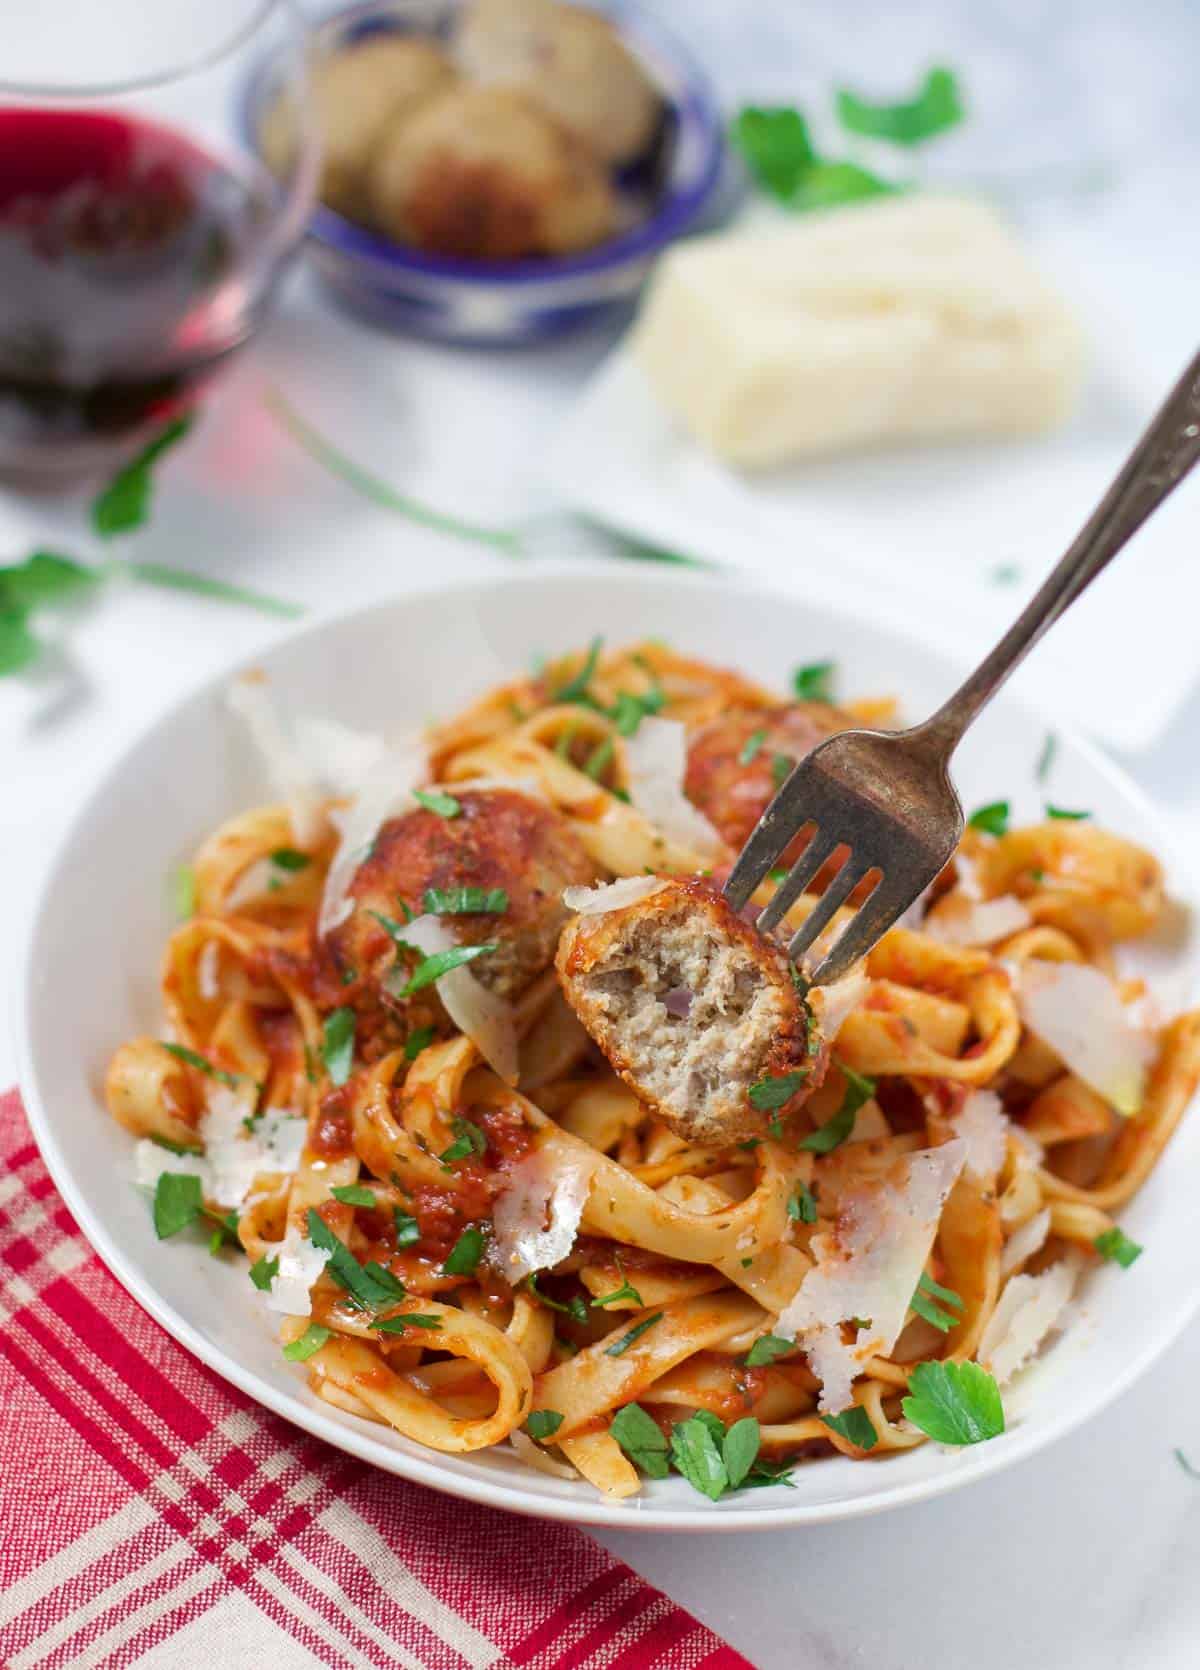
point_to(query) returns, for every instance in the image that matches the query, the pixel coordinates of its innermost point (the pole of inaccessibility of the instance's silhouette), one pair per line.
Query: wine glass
(141, 240)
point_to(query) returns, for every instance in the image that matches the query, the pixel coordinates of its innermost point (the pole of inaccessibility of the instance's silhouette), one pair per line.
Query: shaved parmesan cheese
(233, 1156)
(385, 794)
(340, 758)
(615, 895)
(958, 920)
(984, 1126)
(1029, 1308)
(1076, 1010)
(281, 1134)
(537, 1216)
(834, 1004)
(1024, 1242)
(656, 760)
(487, 1020)
(287, 770)
(869, 1268)
(300, 1264)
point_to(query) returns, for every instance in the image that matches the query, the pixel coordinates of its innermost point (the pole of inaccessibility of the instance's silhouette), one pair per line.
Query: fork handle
(1155, 467)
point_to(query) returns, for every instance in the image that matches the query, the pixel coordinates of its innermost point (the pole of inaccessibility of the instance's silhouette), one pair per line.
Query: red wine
(127, 274)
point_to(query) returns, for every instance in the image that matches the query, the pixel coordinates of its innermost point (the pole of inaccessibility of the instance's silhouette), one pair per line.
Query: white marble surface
(1084, 1558)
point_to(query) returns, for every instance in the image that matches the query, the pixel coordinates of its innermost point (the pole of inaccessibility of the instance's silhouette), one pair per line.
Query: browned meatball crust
(692, 1008)
(732, 791)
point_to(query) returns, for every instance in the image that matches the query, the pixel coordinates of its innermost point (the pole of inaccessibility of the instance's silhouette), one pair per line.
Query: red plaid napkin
(149, 1511)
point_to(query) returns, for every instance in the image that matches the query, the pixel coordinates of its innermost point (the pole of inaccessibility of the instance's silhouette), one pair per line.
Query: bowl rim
(677, 210)
(427, 1469)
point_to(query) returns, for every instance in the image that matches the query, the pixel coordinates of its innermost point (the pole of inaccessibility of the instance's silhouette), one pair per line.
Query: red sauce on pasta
(330, 1136)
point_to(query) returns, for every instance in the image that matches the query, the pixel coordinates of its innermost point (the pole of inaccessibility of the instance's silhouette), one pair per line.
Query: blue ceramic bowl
(512, 302)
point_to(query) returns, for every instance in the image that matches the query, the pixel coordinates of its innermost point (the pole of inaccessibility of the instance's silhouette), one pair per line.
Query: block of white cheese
(907, 318)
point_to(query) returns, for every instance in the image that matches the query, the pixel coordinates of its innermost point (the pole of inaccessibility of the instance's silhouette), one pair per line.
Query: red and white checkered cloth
(151, 1514)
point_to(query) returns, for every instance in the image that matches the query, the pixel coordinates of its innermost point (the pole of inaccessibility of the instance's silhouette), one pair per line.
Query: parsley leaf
(125, 502)
(417, 1041)
(642, 1439)
(923, 1302)
(1064, 815)
(600, 756)
(406, 1319)
(465, 901)
(575, 1307)
(45, 578)
(854, 1424)
(740, 1449)
(173, 1147)
(1192, 1472)
(1114, 1244)
(354, 1194)
(408, 1230)
(436, 801)
(432, 968)
(337, 1044)
(814, 683)
(695, 1454)
(576, 689)
(954, 1403)
(463, 1257)
(183, 892)
(781, 769)
(635, 1333)
(1046, 757)
(831, 1135)
(370, 1285)
(776, 147)
(751, 747)
(468, 1139)
(263, 1272)
(992, 819)
(625, 1291)
(18, 646)
(802, 1205)
(629, 710)
(543, 1423)
(288, 858)
(769, 1094)
(202, 1064)
(936, 106)
(178, 1202)
(310, 1342)
(766, 1348)
(830, 183)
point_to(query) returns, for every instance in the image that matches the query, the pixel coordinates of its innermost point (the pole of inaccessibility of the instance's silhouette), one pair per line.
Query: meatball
(573, 62)
(358, 93)
(499, 839)
(483, 172)
(693, 1009)
(732, 776)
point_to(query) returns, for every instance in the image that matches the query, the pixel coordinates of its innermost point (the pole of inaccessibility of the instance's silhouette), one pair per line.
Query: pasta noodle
(477, 1263)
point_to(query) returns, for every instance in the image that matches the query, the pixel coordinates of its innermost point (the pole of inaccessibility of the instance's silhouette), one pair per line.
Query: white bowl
(102, 918)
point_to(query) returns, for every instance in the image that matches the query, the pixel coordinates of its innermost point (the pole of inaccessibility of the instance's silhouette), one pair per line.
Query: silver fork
(885, 798)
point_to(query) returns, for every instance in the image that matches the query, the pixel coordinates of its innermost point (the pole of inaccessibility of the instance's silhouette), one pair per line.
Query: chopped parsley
(751, 747)
(599, 758)
(468, 1140)
(463, 1257)
(288, 858)
(766, 1348)
(1046, 757)
(781, 769)
(263, 1272)
(629, 710)
(1192, 1472)
(125, 503)
(576, 689)
(437, 801)
(178, 1202)
(432, 968)
(802, 1205)
(924, 1303)
(370, 1286)
(310, 1342)
(226, 1232)
(642, 1439)
(1114, 1244)
(954, 1403)
(202, 1064)
(625, 1291)
(776, 147)
(1061, 812)
(183, 892)
(543, 1424)
(575, 1307)
(621, 1346)
(853, 1424)
(406, 1319)
(992, 819)
(337, 1044)
(831, 1135)
(936, 106)
(417, 1041)
(771, 1093)
(814, 683)
(173, 1147)
(354, 1194)
(466, 901)
(695, 1452)
(1005, 574)
(408, 1230)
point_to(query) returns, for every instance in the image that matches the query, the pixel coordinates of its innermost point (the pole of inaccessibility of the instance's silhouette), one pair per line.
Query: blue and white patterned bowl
(512, 302)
